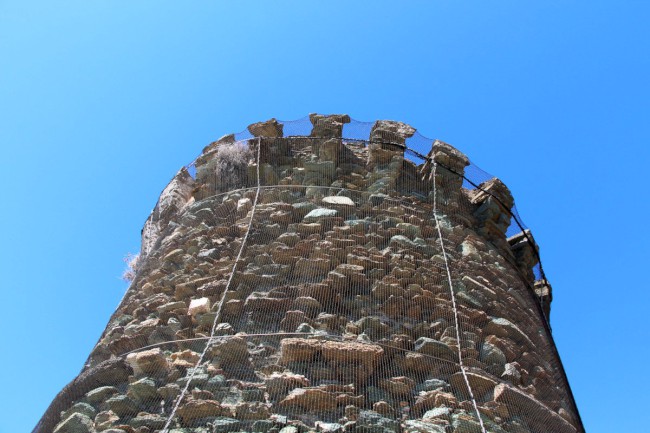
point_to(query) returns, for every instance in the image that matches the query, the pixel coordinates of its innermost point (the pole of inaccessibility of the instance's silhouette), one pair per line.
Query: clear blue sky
(101, 102)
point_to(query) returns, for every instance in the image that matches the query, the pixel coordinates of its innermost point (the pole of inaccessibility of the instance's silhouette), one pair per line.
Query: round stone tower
(327, 275)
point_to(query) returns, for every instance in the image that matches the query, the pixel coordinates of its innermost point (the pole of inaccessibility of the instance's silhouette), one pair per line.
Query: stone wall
(338, 315)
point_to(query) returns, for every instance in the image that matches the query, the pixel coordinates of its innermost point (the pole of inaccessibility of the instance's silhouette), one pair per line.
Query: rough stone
(104, 420)
(152, 421)
(309, 399)
(481, 384)
(373, 422)
(269, 128)
(338, 200)
(504, 328)
(491, 354)
(365, 354)
(143, 390)
(82, 408)
(534, 412)
(439, 412)
(76, 423)
(466, 424)
(429, 346)
(198, 306)
(511, 373)
(418, 244)
(151, 361)
(398, 386)
(231, 349)
(224, 425)
(98, 395)
(196, 409)
(431, 385)
(169, 391)
(432, 399)
(317, 214)
(122, 406)
(328, 125)
(415, 426)
(279, 384)
(329, 427)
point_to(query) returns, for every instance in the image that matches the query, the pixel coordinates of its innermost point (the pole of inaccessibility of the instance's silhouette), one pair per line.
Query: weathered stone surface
(270, 128)
(329, 427)
(100, 394)
(105, 419)
(196, 409)
(308, 305)
(320, 213)
(536, 414)
(432, 399)
(82, 408)
(432, 385)
(279, 384)
(328, 125)
(171, 306)
(76, 423)
(225, 424)
(504, 328)
(260, 302)
(299, 350)
(491, 354)
(198, 306)
(365, 354)
(429, 346)
(480, 383)
(185, 358)
(231, 349)
(418, 244)
(151, 421)
(151, 361)
(338, 200)
(544, 292)
(360, 358)
(464, 423)
(413, 426)
(309, 399)
(174, 197)
(437, 413)
(143, 390)
(383, 408)
(371, 421)
(122, 406)
(511, 373)
(391, 131)
(169, 391)
(399, 386)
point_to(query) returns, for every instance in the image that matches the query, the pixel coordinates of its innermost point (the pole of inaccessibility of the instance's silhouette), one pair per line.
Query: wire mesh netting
(328, 275)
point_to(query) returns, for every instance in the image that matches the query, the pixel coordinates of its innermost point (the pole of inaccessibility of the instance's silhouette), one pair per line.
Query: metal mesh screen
(328, 275)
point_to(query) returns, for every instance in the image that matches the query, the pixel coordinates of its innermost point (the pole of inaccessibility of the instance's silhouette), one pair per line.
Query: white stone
(198, 306)
(130, 359)
(244, 205)
(338, 200)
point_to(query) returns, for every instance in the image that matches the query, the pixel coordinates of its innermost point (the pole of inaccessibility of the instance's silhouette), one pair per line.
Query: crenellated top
(335, 155)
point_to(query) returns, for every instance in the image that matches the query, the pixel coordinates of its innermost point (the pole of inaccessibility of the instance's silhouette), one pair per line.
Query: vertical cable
(223, 297)
(453, 298)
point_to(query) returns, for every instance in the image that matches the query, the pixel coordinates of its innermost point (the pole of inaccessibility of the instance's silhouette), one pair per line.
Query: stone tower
(327, 275)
